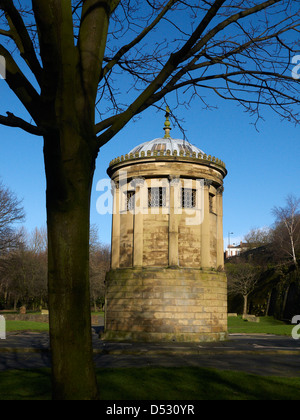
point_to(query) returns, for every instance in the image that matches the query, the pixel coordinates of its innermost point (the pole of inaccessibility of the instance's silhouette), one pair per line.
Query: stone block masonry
(166, 304)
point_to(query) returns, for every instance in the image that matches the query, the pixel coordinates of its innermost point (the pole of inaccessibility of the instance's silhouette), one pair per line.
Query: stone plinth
(166, 304)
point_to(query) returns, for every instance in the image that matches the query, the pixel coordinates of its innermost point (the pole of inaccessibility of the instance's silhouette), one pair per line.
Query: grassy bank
(267, 325)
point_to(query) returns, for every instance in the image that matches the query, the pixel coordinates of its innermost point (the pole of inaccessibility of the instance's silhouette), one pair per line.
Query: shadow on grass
(25, 385)
(158, 384)
(194, 384)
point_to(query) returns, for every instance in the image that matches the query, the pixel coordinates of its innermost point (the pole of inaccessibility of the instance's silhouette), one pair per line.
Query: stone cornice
(202, 159)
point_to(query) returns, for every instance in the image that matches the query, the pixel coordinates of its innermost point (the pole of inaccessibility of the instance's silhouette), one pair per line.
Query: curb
(196, 353)
(23, 350)
(132, 352)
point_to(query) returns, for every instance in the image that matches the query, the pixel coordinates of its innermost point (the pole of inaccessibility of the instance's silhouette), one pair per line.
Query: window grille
(188, 198)
(130, 200)
(157, 197)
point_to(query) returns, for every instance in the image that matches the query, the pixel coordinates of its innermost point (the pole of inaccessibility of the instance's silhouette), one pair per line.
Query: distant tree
(99, 266)
(38, 257)
(23, 273)
(11, 212)
(258, 237)
(242, 280)
(286, 233)
(38, 240)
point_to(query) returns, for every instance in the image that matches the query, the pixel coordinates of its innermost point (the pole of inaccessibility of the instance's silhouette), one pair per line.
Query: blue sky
(263, 167)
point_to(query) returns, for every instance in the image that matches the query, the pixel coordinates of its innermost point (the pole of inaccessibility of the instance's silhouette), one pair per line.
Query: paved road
(258, 354)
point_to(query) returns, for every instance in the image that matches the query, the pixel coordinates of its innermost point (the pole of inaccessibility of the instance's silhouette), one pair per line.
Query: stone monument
(167, 280)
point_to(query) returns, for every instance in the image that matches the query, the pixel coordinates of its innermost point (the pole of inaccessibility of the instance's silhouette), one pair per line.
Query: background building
(235, 250)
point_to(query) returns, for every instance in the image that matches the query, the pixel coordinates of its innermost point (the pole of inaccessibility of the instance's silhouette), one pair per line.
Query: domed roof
(166, 148)
(164, 144)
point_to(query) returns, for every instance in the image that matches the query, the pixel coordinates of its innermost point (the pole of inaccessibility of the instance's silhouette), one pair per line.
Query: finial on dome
(167, 126)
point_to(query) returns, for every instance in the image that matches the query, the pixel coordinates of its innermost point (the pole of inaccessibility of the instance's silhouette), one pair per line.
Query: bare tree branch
(189, 58)
(21, 86)
(18, 32)
(92, 39)
(116, 59)
(173, 62)
(12, 121)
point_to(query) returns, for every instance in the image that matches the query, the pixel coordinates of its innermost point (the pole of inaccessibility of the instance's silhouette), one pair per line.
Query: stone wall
(189, 244)
(126, 240)
(26, 317)
(183, 305)
(156, 240)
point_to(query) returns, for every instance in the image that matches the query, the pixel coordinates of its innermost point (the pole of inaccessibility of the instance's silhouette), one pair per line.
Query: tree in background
(258, 237)
(38, 240)
(11, 212)
(286, 234)
(242, 280)
(88, 67)
(276, 252)
(99, 266)
(23, 272)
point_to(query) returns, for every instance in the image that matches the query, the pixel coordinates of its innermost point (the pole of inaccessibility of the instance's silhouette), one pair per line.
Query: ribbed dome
(166, 149)
(164, 144)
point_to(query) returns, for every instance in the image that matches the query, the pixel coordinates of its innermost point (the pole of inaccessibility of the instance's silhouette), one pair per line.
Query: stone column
(205, 231)
(173, 222)
(220, 238)
(138, 228)
(115, 243)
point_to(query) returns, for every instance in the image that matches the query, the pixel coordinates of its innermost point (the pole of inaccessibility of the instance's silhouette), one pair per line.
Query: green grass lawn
(150, 383)
(26, 326)
(267, 325)
(142, 384)
(12, 326)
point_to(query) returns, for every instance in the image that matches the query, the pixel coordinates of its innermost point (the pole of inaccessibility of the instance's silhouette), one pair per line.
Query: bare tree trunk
(245, 311)
(5, 296)
(15, 304)
(293, 252)
(95, 305)
(69, 183)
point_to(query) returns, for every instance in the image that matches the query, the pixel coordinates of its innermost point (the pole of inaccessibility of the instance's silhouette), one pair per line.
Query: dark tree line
(24, 260)
(275, 251)
(11, 212)
(23, 276)
(23, 272)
